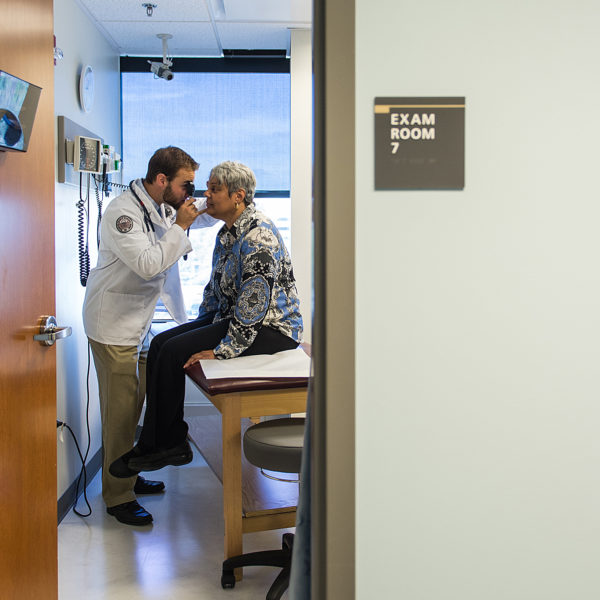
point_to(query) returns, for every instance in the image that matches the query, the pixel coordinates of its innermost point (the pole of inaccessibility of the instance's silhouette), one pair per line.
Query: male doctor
(142, 236)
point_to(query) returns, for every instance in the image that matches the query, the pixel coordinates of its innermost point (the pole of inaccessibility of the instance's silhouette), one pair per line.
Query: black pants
(164, 426)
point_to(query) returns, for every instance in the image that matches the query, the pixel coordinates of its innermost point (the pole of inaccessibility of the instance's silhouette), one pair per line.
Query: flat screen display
(18, 105)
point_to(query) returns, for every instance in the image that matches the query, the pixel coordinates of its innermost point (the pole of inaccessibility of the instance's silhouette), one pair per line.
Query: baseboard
(69, 498)
(199, 410)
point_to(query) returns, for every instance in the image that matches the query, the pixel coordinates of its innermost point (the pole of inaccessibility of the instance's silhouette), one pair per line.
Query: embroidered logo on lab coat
(124, 223)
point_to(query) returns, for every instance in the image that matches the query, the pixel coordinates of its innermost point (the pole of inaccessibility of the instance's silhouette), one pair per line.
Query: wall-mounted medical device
(83, 151)
(111, 159)
(87, 154)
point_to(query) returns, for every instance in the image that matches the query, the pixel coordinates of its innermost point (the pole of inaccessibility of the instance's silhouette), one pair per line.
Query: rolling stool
(275, 445)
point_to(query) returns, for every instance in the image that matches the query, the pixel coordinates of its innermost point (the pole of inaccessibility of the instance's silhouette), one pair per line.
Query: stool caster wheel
(287, 541)
(227, 580)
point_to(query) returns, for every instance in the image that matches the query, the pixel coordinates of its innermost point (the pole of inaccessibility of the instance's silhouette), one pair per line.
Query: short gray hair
(235, 176)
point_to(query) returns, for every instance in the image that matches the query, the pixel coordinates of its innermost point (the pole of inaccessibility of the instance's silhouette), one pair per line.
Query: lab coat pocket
(123, 315)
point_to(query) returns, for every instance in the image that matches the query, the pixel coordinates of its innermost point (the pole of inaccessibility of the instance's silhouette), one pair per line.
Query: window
(215, 110)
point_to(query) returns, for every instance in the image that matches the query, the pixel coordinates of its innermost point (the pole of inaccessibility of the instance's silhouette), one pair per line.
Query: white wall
(301, 166)
(478, 311)
(81, 44)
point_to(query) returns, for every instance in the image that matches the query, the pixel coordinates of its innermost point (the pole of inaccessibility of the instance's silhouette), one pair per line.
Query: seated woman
(250, 306)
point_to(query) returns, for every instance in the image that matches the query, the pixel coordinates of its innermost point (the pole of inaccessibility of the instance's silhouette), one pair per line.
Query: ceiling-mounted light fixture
(149, 8)
(219, 9)
(163, 69)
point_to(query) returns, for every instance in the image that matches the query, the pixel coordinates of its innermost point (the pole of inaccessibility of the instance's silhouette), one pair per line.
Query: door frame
(333, 399)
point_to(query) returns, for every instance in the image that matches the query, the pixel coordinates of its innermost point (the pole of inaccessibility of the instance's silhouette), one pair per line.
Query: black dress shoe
(130, 513)
(145, 486)
(178, 455)
(120, 467)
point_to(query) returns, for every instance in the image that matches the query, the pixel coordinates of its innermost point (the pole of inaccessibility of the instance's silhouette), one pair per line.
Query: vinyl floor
(178, 557)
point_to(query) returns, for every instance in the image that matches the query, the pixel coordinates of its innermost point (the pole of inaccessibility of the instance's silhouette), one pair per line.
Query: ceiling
(202, 28)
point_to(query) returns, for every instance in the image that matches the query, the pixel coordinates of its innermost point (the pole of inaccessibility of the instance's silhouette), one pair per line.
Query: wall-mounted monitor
(18, 105)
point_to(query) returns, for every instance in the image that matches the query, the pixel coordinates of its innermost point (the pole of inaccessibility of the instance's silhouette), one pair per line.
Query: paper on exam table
(289, 363)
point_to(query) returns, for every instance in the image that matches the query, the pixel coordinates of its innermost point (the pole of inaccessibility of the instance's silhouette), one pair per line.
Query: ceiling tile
(265, 11)
(189, 39)
(253, 36)
(132, 10)
(239, 24)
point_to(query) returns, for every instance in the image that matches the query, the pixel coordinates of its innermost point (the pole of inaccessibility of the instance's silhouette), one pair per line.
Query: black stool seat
(276, 445)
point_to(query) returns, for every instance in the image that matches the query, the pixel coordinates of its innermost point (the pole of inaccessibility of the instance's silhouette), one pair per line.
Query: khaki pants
(121, 374)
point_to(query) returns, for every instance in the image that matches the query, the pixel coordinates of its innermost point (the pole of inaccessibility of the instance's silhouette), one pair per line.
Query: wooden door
(28, 517)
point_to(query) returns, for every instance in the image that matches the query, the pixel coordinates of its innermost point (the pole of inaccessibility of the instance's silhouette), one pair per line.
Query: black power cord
(83, 222)
(83, 232)
(106, 184)
(83, 472)
(103, 187)
(99, 204)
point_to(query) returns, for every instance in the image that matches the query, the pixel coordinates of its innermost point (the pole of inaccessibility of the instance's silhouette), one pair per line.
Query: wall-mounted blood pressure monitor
(87, 154)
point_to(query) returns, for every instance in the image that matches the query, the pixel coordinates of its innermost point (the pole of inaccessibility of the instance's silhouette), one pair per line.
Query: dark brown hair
(168, 161)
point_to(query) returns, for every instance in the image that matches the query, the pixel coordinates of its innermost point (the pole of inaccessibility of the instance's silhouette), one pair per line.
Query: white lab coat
(135, 267)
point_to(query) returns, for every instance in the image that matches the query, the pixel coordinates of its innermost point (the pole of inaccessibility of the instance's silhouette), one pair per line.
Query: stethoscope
(147, 219)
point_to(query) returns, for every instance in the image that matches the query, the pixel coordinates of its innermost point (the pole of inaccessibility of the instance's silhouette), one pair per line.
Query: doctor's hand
(204, 355)
(187, 213)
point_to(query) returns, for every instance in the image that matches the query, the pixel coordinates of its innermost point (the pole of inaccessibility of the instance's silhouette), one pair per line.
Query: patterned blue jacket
(252, 283)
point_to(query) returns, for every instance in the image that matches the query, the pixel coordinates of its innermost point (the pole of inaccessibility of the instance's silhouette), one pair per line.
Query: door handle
(50, 332)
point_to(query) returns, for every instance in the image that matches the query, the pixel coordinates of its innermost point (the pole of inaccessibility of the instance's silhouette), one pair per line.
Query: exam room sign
(419, 143)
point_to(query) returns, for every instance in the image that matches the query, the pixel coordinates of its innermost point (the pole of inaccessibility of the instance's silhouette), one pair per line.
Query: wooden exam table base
(235, 406)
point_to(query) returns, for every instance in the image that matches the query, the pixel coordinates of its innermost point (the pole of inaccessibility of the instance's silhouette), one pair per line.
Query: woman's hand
(204, 355)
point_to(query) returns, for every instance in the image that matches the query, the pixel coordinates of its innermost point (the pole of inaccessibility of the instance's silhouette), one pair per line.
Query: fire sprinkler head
(149, 8)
